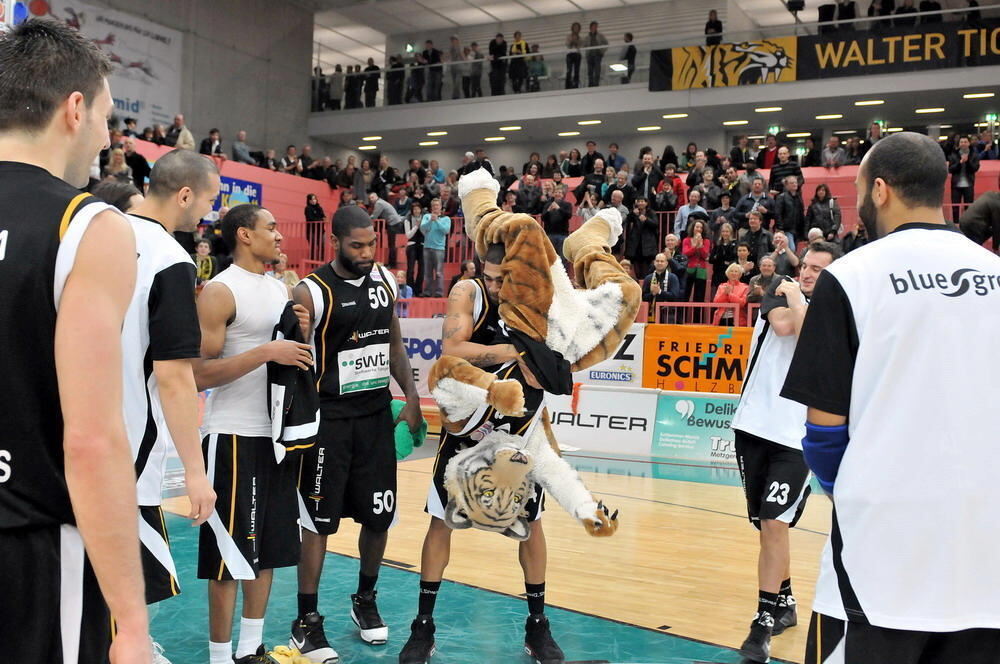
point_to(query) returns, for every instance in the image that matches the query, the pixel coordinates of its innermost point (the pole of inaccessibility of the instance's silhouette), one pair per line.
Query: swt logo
(960, 282)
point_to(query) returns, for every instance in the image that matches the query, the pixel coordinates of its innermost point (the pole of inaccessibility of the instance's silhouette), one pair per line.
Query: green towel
(405, 440)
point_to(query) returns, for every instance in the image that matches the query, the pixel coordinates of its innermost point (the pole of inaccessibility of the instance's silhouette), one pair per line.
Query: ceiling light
(870, 102)
(735, 123)
(371, 138)
(511, 128)
(845, 131)
(649, 128)
(437, 133)
(767, 109)
(758, 137)
(368, 147)
(942, 138)
(944, 126)
(799, 134)
(830, 116)
(618, 67)
(494, 139)
(674, 116)
(589, 122)
(427, 144)
(569, 133)
(936, 109)
(978, 95)
(894, 129)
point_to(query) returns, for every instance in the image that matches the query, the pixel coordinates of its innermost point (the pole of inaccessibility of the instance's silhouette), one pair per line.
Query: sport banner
(612, 420)
(695, 427)
(724, 65)
(695, 358)
(233, 192)
(422, 340)
(624, 368)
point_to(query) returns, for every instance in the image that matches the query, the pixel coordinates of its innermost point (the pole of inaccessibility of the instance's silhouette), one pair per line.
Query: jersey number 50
(378, 296)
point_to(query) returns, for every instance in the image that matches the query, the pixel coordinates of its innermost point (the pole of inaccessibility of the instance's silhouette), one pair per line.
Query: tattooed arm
(457, 331)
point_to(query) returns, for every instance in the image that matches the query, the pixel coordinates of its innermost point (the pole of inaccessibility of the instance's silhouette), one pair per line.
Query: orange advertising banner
(695, 358)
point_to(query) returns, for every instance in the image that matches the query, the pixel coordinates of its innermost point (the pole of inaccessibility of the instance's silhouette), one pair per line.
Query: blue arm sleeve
(823, 448)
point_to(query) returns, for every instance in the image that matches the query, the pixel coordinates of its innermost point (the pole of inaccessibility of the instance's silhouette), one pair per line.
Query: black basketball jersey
(351, 338)
(42, 220)
(486, 419)
(485, 318)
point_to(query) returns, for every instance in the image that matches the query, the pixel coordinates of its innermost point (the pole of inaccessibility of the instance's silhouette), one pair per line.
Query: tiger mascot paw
(507, 396)
(601, 523)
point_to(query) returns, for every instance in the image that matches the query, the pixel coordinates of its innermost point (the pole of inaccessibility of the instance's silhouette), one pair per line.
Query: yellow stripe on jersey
(326, 324)
(486, 305)
(232, 506)
(69, 212)
(166, 537)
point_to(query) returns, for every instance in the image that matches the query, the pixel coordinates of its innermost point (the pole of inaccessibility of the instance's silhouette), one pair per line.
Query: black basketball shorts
(52, 608)
(775, 479)
(350, 472)
(833, 641)
(437, 495)
(255, 524)
(157, 564)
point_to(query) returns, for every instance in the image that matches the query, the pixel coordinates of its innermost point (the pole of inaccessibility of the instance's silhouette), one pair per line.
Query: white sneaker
(158, 657)
(364, 613)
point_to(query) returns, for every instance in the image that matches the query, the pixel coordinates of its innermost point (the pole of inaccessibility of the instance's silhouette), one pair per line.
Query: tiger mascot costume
(489, 483)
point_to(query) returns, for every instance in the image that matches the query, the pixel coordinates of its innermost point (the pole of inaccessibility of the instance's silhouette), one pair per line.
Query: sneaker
(364, 613)
(259, 657)
(157, 649)
(785, 615)
(538, 642)
(757, 647)
(309, 639)
(420, 646)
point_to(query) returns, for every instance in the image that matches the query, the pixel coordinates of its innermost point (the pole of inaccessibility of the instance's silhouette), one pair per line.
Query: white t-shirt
(890, 341)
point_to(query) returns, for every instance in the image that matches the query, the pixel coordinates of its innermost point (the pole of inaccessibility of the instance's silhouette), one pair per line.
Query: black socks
(767, 603)
(366, 584)
(536, 597)
(308, 604)
(786, 588)
(428, 596)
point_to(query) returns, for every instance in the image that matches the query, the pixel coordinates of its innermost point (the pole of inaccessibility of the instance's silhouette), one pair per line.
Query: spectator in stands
(147, 134)
(414, 247)
(781, 169)
(335, 88)
(537, 69)
(761, 282)
(732, 183)
(689, 158)
(676, 260)
(767, 156)
(306, 158)
(759, 240)
(660, 286)
(614, 160)
(785, 260)
(557, 180)
(353, 83)
(627, 266)
(591, 157)
(789, 211)
(212, 145)
(572, 166)
(743, 260)
(498, 65)
(741, 152)
(710, 190)
(724, 214)
(365, 176)
(547, 191)
(980, 221)
(962, 165)
(159, 135)
(666, 198)
(812, 156)
(136, 162)
(904, 14)
(755, 201)
(372, 76)
(551, 167)
(824, 213)
(833, 155)
(573, 43)
(670, 174)
(595, 54)
(281, 272)
(457, 70)
(241, 151)
(986, 147)
(723, 253)
(379, 208)
(290, 163)
(518, 66)
(206, 266)
(475, 59)
(610, 177)
(534, 160)
(510, 203)
(449, 204)
(646, 178)
(119, 193)
(434, 168)
(315, 227)
(713, 29)
(435, 228)
(642, 235)
(617, 202)
(405, 292)
(628, 56)
(395, 77)
(587, 207)
(697, 246)
(621, 182)
(853, 152)
(880, 10)
(117, 167)
(528, 194)
(415, 84)
(130, 127)
(466, 271)
(555, 220)
(734, 291)
(858, 237)
(592, 181)
(179, 136)
(695, 172)
(669, 157)
(685, 211)
(270, 160)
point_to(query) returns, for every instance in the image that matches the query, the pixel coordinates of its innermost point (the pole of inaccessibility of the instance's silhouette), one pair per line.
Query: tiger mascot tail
(489, 483)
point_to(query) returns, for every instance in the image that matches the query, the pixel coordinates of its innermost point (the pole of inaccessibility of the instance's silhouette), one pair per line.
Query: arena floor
(675, 585)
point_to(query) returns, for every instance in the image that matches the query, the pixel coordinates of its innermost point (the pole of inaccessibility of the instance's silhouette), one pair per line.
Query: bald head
(911, 165)
(179, 169)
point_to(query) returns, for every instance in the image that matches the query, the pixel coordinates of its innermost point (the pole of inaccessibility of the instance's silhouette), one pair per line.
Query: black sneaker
(757, 647)
(785, 615)
(259, 657)
(538, 642)
(420, 646)
(364, 613)
(309, 639)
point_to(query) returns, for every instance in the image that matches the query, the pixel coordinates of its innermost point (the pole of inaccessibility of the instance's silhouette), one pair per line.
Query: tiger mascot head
(489, 486)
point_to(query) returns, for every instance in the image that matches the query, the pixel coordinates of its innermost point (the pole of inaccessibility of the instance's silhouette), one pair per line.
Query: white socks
(220, 653)
(251, 636)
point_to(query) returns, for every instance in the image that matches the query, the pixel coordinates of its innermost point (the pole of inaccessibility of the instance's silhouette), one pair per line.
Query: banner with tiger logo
(726, 65)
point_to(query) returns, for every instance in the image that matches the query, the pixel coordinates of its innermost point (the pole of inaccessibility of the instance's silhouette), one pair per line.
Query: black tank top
(486, 319)
(352, 340)
(41, 218)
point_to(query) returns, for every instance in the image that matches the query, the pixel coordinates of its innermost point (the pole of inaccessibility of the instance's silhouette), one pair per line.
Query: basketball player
(351, 472)
(769, 431)
(470, 330)
(254, 527)
(896, 430)
(159, 339)
(68, 529)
